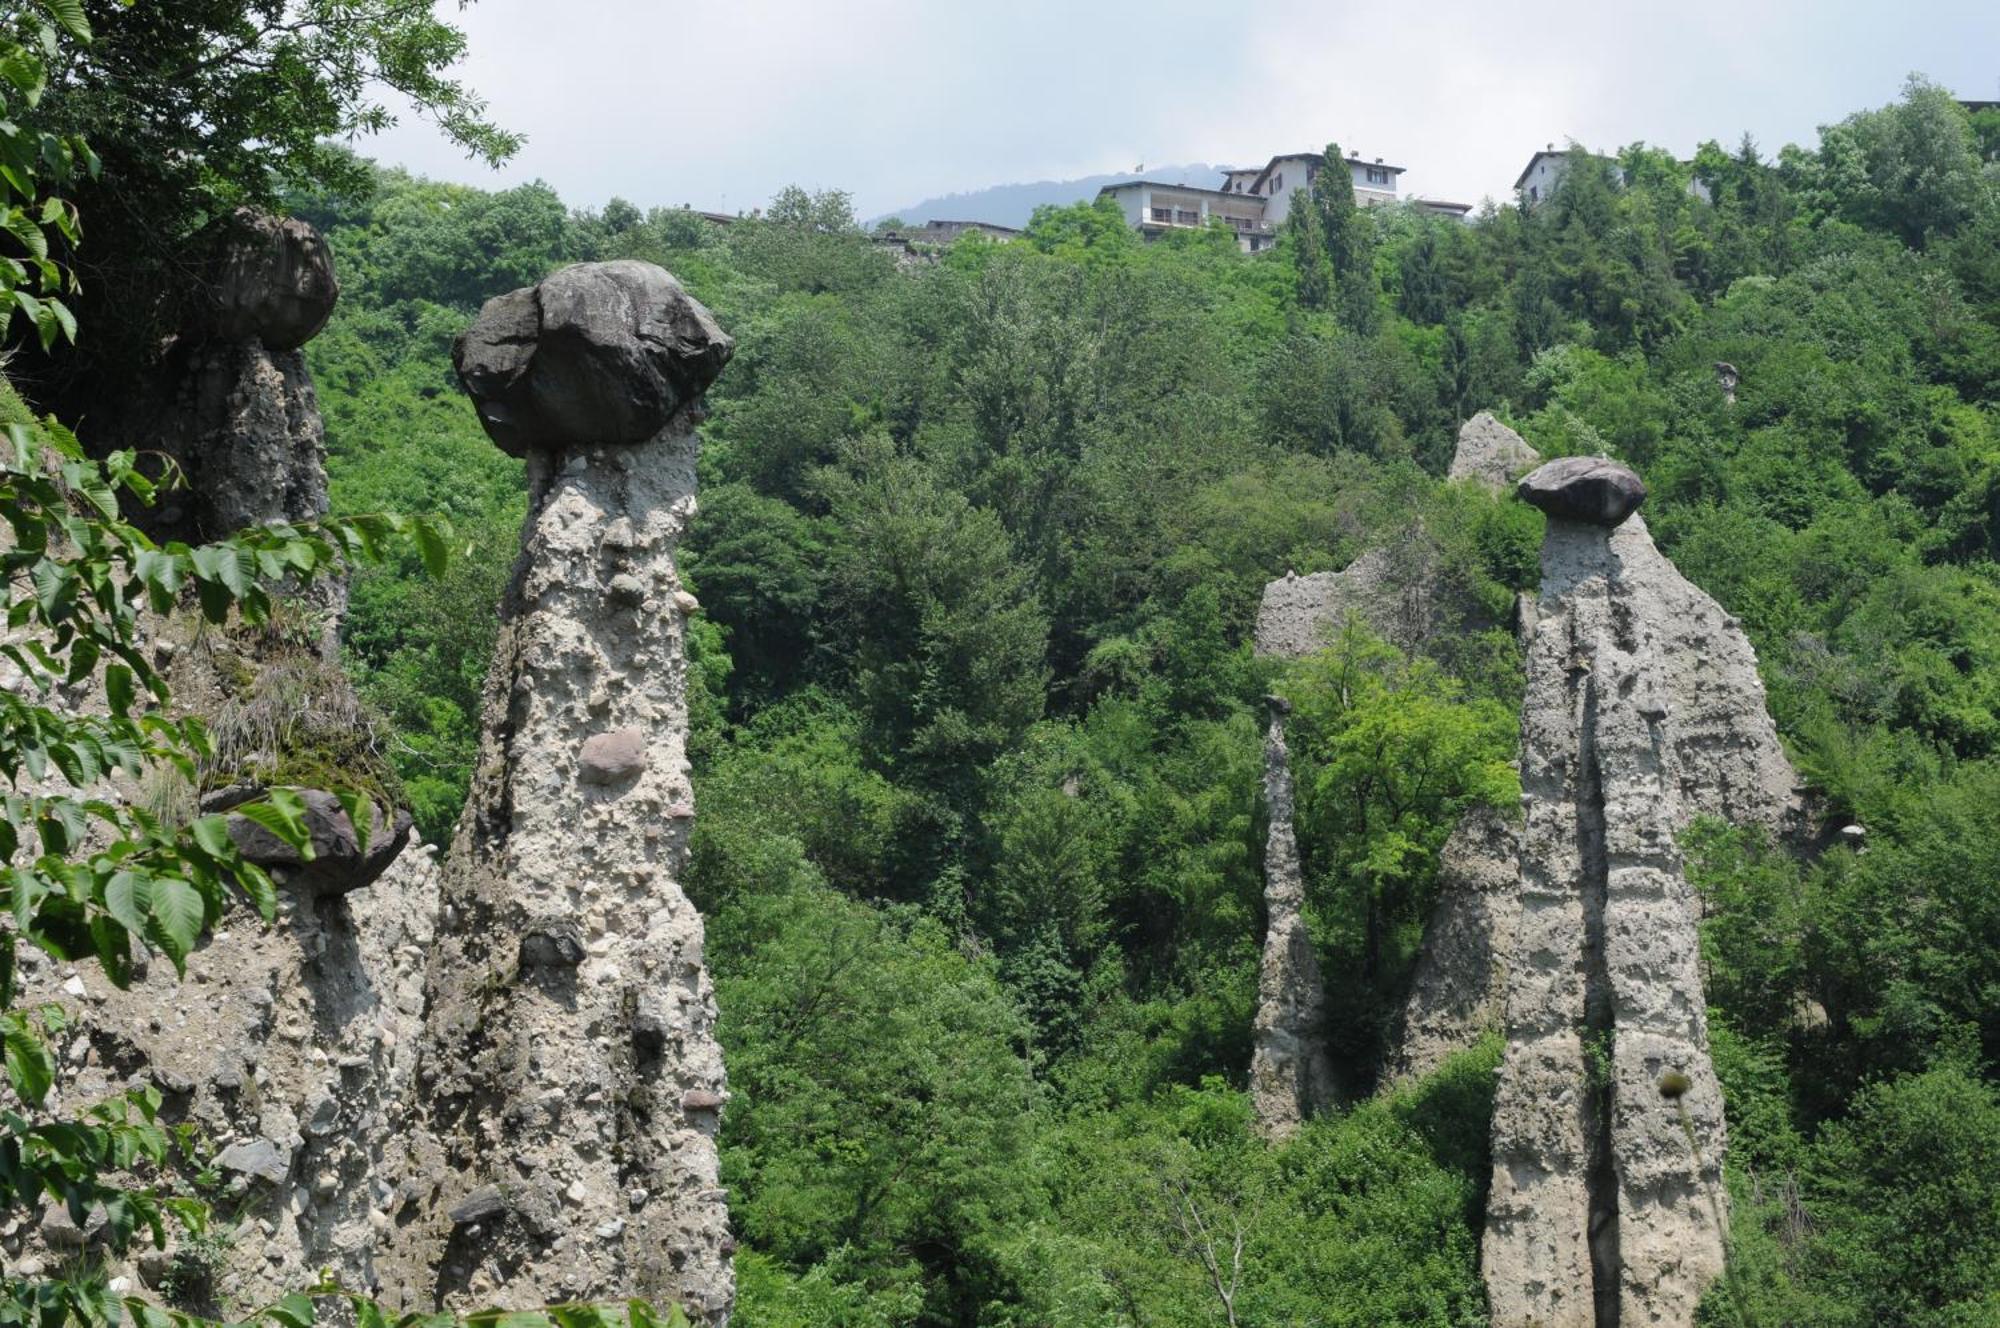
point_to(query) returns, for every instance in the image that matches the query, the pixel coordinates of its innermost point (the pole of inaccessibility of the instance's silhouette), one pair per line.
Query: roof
(1162, 184)
(1440, 205)
(983, 225)
(1555, 152)
(1320, 156)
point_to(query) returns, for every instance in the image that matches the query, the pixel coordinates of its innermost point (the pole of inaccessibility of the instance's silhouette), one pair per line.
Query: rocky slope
(498, 1082)
(291, 1045)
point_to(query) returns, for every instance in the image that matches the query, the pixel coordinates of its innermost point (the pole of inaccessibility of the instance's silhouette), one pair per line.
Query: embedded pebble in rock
(570, 1027)
(257, 1157)
(610, 758)
(1591, 490)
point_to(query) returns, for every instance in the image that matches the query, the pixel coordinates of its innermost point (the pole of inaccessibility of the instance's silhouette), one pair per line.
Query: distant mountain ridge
(1013, 204)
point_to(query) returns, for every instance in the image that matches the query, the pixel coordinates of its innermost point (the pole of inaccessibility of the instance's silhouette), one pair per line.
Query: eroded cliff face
(1458, 990)
(1643, 710)
(1291, 1076)
(290, 1045)
(562, 1138)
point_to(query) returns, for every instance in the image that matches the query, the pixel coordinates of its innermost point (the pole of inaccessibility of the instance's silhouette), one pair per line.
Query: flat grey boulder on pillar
(1592, 490)
(598, 353)
(340, 862)
(271, 279)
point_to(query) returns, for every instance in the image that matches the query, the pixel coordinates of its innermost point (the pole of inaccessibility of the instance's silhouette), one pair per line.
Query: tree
(1350, 241)
(197, 107)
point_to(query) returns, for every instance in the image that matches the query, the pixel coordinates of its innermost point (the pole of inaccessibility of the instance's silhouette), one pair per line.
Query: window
(1376, 175)
(1534, 193)
(1278, 183)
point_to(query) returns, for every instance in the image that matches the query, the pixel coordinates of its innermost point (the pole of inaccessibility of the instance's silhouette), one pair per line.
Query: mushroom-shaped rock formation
(1490, 453)
(571, 1077)
(1593, 490)
(1643, 710)
(270, 280)
(599, 353)
(1291, 1076)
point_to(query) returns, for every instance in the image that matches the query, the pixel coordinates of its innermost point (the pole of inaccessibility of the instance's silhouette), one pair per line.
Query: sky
(721, 103)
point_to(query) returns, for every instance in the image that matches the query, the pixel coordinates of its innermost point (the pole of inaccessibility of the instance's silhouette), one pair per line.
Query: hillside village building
(1545, 170)
(1254, 201)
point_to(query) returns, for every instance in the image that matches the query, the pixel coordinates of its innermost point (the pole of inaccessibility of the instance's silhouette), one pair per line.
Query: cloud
(722, 104)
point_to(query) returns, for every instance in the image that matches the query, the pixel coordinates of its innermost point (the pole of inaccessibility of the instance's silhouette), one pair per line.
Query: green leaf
(212, 834)
(294, 1311)
(70, 14)
(179, 911)
(30, 1067)
(432, 547)
(282, 813)
(119, 688)
(128, 897)
(360, 814)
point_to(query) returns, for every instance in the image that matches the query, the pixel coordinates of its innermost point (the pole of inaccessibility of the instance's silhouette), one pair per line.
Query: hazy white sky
(720, 103)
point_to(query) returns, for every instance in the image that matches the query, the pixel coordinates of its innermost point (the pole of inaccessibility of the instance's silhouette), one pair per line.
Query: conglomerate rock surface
(563, 1142)
(1291, 1076)
(1458, 989)
(1491, 454)
(290, 1045)
(1643, 710)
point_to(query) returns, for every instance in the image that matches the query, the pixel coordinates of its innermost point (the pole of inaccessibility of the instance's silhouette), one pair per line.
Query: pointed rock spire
(1290, 1074)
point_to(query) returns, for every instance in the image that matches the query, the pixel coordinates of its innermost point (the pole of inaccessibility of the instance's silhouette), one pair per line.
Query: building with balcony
(1253, 201)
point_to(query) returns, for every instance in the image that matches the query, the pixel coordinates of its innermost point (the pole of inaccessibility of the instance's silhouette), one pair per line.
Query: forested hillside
(977, 725)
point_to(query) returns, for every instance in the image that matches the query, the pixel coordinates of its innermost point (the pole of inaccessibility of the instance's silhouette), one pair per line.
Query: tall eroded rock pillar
(571, 1088)
(1290, 1074)
(1607, 1204)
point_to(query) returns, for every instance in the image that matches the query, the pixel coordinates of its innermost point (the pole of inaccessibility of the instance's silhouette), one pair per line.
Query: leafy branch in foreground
(90, 874)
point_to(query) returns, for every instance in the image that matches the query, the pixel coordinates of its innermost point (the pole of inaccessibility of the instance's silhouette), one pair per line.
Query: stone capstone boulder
(271, 280)
(1593, 490)
(598, 353)
(340, 863)
(1491, 454)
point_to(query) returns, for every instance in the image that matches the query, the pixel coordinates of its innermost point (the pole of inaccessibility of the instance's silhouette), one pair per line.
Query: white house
(1538, 179)
(1253, 201)
(1153, 207)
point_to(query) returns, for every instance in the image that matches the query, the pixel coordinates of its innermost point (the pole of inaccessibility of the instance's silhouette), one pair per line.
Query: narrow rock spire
(1458, 990)
(1608, 1139)
(1290, 1075)
(564, 1141)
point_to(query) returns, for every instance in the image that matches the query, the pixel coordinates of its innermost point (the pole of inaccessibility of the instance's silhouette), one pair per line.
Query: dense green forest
(977, 725)
(978, 736)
